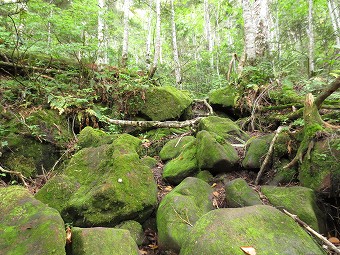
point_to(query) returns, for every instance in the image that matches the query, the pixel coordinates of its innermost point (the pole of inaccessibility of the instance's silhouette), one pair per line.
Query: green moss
(174, 147)
(160, 99)
(104, 241)
(184, 165)
(90, 137)
(205, 176)
(223, 127)
(266, 229)
(213, 156)
(227, 96)
(30, 227)
(135, 229)
(289, 197)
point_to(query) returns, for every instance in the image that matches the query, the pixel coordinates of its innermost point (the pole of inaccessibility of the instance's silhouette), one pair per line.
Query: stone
(102, 241)
(297, 200)
(103, 186)
(180, 209)
(266, 229)
(164, 103)
(27, 226)
(213, 156)
(184, 165)
(226, 97)
(135, 229)
(174, 147)
(239, 194)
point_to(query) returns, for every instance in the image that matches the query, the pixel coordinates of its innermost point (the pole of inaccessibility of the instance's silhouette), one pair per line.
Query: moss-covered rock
(165, 103)
(223, 127)
(256, 149)
(103, 186)
(102, 241)
(184, 165)
(266, 229)
(174, 147)
(289, 197)
(321, 172)
(283, 175)
(239, 194)
(179, 210)
(91, 137)
(135, 229)
(28, 226)
(213, 156)
(205, 175)
(226, 96)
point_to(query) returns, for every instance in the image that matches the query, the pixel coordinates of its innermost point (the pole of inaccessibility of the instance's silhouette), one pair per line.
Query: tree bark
(310, 33)
(178, 74)
(158, 40)
(334, 86)
(125, 50)
(249, 31)
(102, 58)
(208, 34)
(335, 18)
(149, 37)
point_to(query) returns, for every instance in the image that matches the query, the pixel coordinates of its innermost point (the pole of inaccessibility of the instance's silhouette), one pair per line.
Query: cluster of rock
(107, 194)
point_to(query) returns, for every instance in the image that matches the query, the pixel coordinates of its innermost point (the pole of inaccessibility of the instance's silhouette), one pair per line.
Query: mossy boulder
(103, 241)
(256, 149)
(27, 226)
(103, 186)
(283, 175)
(165, 103)
(266, 229)
(213, 156)
(239, 194)
(289, 197)
(135, 229)
(174, 147)
(179, 210)
(224, 127)
(321, 171)
(184, 165)
(226, 97)
(91, 137)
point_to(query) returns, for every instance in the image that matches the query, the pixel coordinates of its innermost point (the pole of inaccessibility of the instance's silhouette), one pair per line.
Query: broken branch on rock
(18, 174)
(313, 232)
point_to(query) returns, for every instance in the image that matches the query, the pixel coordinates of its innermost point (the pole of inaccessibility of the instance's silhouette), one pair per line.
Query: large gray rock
(103, 186)
(266, 229)
(179, 210)
(102, 241)
(27, 226)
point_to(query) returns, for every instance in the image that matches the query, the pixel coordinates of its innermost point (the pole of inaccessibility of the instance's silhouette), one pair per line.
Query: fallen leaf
(68, 235)
(168, 188)
(214, 184)
(248, 250)
(334, 240)
(216, 194)
(153, 246)
(141, 252)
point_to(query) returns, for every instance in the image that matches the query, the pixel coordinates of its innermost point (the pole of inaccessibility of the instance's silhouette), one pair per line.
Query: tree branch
(327, 92)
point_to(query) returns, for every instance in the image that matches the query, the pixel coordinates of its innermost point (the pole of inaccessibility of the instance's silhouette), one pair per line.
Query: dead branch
(157, 124)
(18, 174)
(327, 92)
(313, 232)
(268, 156)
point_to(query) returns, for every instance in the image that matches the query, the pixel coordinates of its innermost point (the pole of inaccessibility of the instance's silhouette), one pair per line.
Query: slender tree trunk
(261, 17)
(102, 58)
(125, 50)
(149, 37)
(157, 40)
(208, 33)
(178, 74)
(311, 39)
(334, 12)
(249, 31)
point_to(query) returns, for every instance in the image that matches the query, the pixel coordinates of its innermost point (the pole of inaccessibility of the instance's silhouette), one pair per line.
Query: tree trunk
(208, 33)
(126, 9)
(148, 39)
(174, 48)
(334, 86)
(335, 18)
(102, 58)
(310, 33)
(249, 31)
(158, 40)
